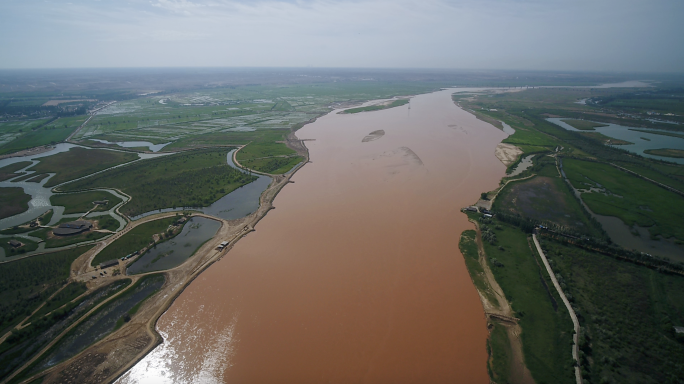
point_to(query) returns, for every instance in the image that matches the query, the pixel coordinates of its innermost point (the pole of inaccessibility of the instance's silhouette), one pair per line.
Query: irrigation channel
(357, 275)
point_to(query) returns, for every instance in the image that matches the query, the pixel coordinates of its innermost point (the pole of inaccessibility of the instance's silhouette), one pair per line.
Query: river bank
(361, 254)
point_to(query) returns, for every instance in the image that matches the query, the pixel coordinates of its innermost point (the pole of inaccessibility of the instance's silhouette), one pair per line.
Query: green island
(666, 152)
(584, 125)
(661, 133)
(8, 171)
(13, 200)
(378, 107)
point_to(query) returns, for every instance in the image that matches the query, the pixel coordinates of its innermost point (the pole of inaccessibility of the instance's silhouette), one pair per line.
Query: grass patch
(666, 152)
(468, 247)
(379, 107)
(265, 155)
(135, 240)
(13, 201)
(546, 328)
(107, 222)
(627, 313)
(501, 354)
(26, 283)
(52, 241)
(605, 139)
(8, 171)
(584, 125)
(626, 196)
(11, 251)
(37, 178)
(79, 162)
(83, 202)
(274, 165)
(188, 179)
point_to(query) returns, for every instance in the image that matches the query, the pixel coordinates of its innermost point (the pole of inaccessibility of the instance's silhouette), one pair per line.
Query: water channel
(356, 275)
(655, 141)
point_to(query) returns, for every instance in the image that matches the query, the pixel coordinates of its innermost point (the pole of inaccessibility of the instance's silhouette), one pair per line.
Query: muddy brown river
(356, 276)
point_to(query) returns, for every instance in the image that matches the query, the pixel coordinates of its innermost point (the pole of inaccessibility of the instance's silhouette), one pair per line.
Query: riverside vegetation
(628, 303)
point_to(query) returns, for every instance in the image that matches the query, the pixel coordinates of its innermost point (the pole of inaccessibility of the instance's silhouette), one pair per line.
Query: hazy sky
(619, 35)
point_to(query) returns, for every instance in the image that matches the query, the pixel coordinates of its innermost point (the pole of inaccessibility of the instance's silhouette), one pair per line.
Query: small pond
(174, 252)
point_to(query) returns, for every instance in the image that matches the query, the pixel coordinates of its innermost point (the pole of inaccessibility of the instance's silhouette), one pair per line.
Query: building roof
(14, 243)
(72, 228)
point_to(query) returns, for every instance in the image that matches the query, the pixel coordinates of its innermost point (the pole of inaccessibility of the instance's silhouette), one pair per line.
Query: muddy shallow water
(356, 275)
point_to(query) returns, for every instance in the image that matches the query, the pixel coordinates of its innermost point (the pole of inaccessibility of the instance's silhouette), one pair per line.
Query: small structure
(15, 244)
(679, 329)
(101, 202)
(109, 263)
(471, 209)
(72, 228)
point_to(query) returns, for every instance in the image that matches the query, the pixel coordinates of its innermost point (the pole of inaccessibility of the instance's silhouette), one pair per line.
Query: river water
(356, 275)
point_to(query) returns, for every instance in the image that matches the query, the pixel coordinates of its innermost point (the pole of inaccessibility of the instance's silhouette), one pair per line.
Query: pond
(174, 252)
(134, 144)
(654, 141)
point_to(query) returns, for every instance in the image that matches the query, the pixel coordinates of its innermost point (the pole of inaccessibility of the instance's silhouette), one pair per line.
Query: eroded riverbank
(357, 275)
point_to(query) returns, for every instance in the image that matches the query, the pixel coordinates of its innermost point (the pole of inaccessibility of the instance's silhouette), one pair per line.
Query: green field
(13, 200)
(666, 152)
(632, 199)
(53, 318)
(7, 172)
(627, 313)
(83, 202)
(188, 179)
(43, 133)
(584, 125)
(26, 283)
(79, 162)
(546, 325)
(670, 134)
(370, 108)
(135, 240)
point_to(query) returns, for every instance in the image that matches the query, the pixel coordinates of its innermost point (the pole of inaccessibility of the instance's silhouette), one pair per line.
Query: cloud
(522, 34)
